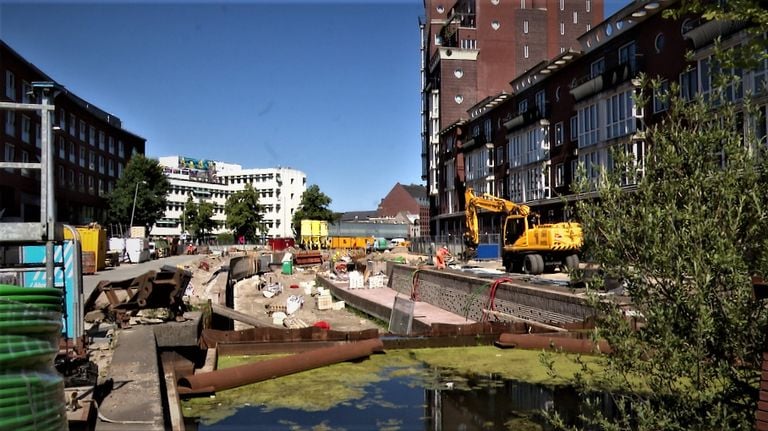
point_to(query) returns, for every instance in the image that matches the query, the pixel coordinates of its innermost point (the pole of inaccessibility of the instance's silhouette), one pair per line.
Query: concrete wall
(467, 296)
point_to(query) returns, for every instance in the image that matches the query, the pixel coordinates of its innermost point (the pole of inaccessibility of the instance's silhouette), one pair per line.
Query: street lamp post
(133, 209)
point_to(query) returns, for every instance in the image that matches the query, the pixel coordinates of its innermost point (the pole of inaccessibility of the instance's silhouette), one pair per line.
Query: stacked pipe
(31, 390)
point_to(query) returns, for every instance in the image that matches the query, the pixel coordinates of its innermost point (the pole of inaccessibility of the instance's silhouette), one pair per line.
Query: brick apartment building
(470, 49)
(525, 145)
(407, 199)
(90, 148)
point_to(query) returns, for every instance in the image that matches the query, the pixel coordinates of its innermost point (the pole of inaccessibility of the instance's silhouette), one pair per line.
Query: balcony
(530, 116)
(587, 85)
(702, 32)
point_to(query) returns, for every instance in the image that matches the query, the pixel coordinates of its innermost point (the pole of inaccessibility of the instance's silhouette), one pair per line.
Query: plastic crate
(356, 280)
(376, 281)
(324, 302)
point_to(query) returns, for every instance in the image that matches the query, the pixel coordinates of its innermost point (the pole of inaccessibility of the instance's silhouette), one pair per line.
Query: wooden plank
(172, 395)
(520, 319)
(222, 310)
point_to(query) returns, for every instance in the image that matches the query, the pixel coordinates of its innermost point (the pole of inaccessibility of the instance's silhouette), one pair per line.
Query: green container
(288, 268)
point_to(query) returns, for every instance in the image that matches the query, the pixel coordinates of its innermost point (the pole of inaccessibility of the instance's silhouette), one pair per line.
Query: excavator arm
(490, 203)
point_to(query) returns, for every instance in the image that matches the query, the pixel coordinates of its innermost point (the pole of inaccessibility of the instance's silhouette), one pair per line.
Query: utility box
(137, 249)
(93, 238)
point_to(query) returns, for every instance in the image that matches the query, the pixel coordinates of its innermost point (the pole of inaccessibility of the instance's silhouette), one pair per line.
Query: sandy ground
(253, 295)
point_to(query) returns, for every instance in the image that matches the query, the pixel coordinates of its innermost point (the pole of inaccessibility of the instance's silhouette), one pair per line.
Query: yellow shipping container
(92, 238)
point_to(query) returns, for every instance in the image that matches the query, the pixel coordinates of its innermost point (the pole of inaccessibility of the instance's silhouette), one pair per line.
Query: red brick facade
(90, 149)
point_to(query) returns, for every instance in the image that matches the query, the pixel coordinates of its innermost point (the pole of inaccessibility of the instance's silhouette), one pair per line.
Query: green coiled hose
(31, 390)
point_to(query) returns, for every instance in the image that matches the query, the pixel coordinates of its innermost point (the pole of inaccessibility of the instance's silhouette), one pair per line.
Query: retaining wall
(467, 295)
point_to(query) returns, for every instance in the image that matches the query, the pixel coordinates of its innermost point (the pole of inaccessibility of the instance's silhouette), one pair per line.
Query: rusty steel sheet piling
(251, 373)
(559, 343)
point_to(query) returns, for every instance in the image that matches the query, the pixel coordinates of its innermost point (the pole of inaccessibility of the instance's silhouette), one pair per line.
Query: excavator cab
(514, 228)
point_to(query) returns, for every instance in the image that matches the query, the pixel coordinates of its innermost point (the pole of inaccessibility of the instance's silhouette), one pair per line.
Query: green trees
(314, 206)
(197, 218)
(685, 244)
(143, 178)
(244, 213)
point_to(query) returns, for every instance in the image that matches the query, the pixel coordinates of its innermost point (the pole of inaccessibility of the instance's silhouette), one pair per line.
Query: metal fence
(488, 245)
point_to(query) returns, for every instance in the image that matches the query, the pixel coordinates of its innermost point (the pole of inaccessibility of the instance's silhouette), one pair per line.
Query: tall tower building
(472, 50)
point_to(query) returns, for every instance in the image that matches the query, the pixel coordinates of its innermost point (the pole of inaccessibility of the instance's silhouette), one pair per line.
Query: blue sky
(329, 88)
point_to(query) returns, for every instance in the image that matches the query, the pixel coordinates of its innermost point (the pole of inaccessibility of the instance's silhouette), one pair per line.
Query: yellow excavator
(526, 245)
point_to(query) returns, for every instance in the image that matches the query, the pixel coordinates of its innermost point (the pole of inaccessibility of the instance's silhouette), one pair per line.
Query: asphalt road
(128, 270)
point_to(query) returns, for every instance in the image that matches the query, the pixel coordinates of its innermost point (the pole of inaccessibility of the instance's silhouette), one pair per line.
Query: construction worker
(442, 257)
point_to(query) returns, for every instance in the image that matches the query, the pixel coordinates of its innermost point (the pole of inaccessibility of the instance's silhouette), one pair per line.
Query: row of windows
(83, 183)
(89, 134)
(87, 158)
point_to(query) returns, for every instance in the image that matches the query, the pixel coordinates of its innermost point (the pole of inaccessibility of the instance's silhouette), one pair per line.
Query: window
(81, 181)
(72, 152)
(525, 26)
(522, 4)
(61, 175)
(71, 182)
(26, 128)
(101, 164)
(574, 169)
(10, 85)
(62, 147)
(525, 51)
(101, 140)
(589, 132)
(689, 84)
(10, 155)
(92, 160)
(562, 4)
(111, 167)
(10, 123)
(559, 134)
(82, 130)
(627, 54)
(540, 100)
(72, 124)
(83, 155)
(760, 77)
(559, 175)
(120, 170)
(522, 106)
(575, 17)
(62, 120)
(596, 68)
(38, 136)
(562, 28)
(92, 136)
(488, 128)
(111, 145)
(589, 6)
(91, 185)
(574, 128)
(620, 119)
(26, 92)
(661, 97)
(25, 159)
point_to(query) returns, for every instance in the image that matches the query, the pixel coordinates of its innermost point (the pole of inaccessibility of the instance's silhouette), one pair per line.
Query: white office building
(279, 189)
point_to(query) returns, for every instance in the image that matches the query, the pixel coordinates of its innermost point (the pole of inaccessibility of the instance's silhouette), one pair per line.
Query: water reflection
(433, 400)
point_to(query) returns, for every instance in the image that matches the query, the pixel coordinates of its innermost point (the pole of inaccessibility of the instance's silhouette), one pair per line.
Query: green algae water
(400, 390)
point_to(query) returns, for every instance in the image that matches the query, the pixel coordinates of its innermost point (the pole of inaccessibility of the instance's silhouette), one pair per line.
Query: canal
(389, 392)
